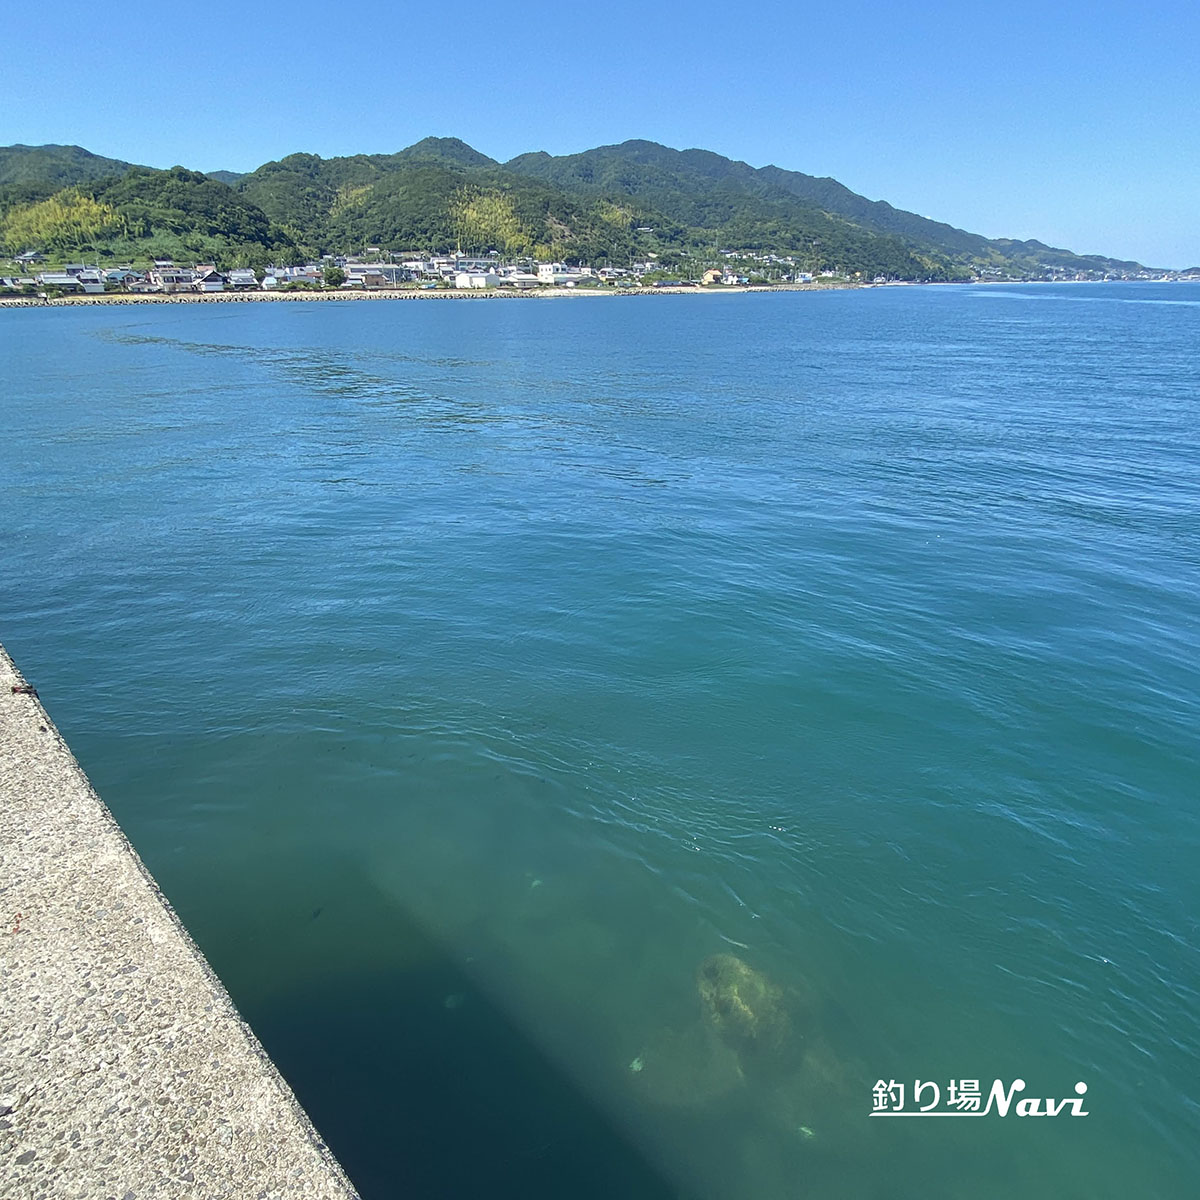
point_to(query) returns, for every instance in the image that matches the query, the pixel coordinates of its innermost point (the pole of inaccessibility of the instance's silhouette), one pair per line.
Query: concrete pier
(125, 1070)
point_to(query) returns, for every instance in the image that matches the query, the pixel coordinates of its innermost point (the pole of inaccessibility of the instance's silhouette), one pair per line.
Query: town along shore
(402, 294)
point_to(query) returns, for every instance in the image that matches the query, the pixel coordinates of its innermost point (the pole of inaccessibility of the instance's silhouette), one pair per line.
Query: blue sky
(1078, 124)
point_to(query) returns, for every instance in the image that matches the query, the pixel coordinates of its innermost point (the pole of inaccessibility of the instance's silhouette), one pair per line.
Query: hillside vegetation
(613, 203)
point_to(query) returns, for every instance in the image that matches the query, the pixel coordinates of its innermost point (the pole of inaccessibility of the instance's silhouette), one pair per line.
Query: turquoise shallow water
(468, 674)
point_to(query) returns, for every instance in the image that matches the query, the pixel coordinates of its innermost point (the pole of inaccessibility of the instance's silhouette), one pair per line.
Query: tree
(334, 276)
(68, 220)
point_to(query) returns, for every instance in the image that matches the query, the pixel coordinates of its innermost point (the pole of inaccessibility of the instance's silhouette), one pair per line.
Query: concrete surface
(125, 1070)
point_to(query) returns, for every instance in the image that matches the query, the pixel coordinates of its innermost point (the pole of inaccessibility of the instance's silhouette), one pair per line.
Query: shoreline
(545, 293)
(123, 298)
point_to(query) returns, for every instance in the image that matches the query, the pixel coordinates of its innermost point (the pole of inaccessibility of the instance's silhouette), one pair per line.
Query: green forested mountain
(450, 151)
(186, 213)
(730, 205)
(781, 207)
(613, 202)
(140, 213)
(62, 166)
(31, 175)
(438, 195)
(970, 247)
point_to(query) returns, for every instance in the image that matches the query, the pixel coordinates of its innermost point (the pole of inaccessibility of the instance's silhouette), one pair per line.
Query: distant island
(637, 211)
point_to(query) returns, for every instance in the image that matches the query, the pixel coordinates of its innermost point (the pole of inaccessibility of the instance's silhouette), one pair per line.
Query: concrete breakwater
(125, 1070)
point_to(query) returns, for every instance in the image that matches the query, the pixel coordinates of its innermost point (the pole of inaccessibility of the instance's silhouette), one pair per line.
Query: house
(59, 279)
(476, 279)
(463, 263)
(90, 281)
(270, 283)
(74, 269)
(28, 257)
(377, 274)
(209, 281)
(171, 278)
(295, 274)
(242, 279)
(713, 276)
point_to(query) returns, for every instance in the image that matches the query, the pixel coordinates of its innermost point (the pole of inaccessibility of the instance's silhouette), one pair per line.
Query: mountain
(441, 194)
(450, 151)
(728, 204)
(138, 213)
(438, 195)
(636, 199)
(780, 208)
(61, 166)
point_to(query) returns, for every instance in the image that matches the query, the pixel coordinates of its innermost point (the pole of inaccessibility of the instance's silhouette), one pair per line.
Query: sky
(1077, 124)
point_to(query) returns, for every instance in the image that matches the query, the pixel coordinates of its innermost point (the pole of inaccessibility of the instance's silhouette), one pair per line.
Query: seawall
(125, 1069)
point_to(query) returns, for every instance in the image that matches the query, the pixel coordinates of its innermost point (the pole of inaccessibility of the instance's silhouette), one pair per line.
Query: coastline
(124, 298)
(544, 293)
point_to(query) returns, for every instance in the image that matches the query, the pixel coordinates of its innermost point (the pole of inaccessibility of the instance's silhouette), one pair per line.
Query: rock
(748, 1012)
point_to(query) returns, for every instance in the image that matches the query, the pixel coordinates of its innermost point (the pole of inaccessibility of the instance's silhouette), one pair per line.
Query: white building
(515, 277)
(476, 279)
(560, 275)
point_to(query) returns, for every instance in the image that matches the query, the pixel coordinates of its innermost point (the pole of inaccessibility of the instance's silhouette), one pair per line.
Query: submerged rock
(748, 1012)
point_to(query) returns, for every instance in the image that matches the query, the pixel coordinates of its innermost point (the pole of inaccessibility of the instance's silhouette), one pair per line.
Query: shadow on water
(418, 1081)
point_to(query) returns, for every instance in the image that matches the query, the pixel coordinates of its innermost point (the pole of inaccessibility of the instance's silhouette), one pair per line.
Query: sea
(642, 747)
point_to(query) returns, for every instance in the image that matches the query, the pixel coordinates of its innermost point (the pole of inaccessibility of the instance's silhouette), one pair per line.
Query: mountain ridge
(630, 199)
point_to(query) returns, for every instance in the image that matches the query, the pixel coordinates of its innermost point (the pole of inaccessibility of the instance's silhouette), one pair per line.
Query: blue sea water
(469, 674)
